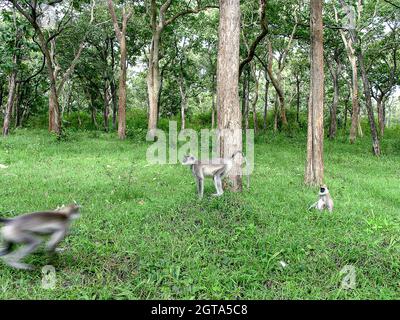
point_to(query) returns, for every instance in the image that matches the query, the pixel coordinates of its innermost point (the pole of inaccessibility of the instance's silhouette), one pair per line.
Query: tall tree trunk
(17, 104)
(376, 149)
(297, 98)
(183, 100)
(113, 86)
(122, 91)
(277, 85)
(276, 112)
(229, 113)
(266, 99)
(247, 99)
(354, 100)
(10, 100)
(213, 106)
(244, 94)
(12, 83)
(106, 109)
(255, 100)
(333, 109)
(121, 37)
(351, 54)
(153, 80)
(314, 174)
(346, 109)
(381, 116)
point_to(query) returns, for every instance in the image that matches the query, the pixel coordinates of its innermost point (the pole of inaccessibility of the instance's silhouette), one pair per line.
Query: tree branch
(188, 11)
(393, 4)
(114, 19)
(260, 37)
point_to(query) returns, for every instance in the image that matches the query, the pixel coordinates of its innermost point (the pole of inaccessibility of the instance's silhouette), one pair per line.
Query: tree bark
(376, 149)
(12, 81)
(314, 174)
(351, 54)
(113, 86)
(266, 99)
(121, 37)
(335, 73)
(182, 92)
(229, 113)
(277, 86)
(10, 100)
(297, 98)
(153, 80)
(158, 23)
(213, 106)
(106, 109)
(381, 115)
(255, 99)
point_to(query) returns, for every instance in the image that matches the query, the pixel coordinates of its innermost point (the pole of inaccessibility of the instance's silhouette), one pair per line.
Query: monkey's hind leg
(218, 186)
(6, 249)
(31, 244)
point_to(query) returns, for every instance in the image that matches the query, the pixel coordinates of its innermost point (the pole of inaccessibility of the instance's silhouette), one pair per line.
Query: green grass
(144, 235)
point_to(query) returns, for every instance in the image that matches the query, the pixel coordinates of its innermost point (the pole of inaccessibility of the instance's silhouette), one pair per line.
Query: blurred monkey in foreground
(29, 229)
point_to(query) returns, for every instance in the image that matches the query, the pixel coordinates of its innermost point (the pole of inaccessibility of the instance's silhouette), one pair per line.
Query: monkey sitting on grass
(325, 200)
(29, 229)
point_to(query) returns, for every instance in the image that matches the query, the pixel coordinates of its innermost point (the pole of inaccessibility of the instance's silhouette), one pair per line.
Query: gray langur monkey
(216, 168)
(29, 229)
(325, 200)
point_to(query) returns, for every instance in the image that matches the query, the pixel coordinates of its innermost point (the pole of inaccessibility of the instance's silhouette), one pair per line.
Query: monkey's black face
(188, 160)
(322, 190)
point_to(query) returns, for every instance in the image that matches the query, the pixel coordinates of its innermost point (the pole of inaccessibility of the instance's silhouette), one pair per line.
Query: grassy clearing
(143, 234)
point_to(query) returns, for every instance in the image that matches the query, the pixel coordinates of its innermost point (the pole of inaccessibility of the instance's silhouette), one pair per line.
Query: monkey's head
(72, 211)
(189, 160)
(323, 190)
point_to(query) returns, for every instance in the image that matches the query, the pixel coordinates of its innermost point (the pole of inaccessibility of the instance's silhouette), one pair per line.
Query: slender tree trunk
(121, 37)
(10, 101)
(277, 85)
(276, 112)
(346, 109)
(381, 116)
(314, 174)
(376, 149)
(354, 100)
(333, 109)
(153, 80)
(17, 104)
(297, 98)
(213, 106)
(247, 99)
(229, 113)
(183, 100)
(351, 54)
(255, 100)
(106, 109)
(266, 99)
(122, 91)
(113, 86)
